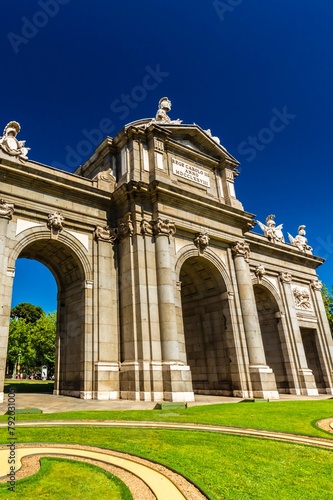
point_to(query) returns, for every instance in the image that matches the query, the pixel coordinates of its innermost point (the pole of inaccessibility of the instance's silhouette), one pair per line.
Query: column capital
(105, 233)
(163, 226)
(285, 277)
(241, 249)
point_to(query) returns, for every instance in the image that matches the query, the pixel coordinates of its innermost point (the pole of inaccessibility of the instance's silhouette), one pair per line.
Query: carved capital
(163, 226)
(201, 241)
(316, 285)
(285, 277)
(146, 227)
(6, 210)
(105, 233)
(125, 228)
(55, 222)
(241, 249)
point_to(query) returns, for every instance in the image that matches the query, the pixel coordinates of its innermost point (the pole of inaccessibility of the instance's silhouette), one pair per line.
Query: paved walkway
(51, 404)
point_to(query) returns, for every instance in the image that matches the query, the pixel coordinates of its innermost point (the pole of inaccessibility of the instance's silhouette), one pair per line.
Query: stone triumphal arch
(164, 290)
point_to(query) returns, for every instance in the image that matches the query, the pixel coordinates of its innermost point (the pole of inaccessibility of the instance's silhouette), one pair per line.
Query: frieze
(241, 249)
(6, 209)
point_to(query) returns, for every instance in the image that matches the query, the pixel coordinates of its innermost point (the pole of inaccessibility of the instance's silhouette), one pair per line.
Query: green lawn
(225, 467)
(298, 417)
(58, 478)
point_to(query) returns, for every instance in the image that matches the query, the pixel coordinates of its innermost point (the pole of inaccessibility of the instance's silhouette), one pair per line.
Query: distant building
(164, 291)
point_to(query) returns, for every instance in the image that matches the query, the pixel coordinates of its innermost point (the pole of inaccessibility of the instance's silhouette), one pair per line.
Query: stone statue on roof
(10, 144)
(300, 241)
(161, 118)
(272, 232)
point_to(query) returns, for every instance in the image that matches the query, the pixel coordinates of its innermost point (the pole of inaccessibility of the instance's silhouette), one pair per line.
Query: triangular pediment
(197, 139)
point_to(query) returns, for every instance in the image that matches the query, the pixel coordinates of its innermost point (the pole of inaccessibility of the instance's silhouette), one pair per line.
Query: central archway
(74, 352)
(207, 327)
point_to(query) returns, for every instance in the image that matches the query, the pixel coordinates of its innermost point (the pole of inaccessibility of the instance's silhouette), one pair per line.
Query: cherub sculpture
(272, 232)
(300, 241)
(10, 144)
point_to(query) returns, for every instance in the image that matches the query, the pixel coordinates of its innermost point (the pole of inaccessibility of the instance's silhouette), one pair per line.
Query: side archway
(66, 258)
(209, 340)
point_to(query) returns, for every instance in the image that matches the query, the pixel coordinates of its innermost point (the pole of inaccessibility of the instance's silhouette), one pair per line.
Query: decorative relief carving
(285, 277)
(10, 144)
(241, 248)
(201, 241)
(146, 227)
(125, 228)
(163, 226)
(272, 232)
(316, 285)
(55, 222)
(260, 272)
(105, 233)
(302, 298)
(158, 226)
(300, 241)
(6, 209)
(105, 176)
(158, 145)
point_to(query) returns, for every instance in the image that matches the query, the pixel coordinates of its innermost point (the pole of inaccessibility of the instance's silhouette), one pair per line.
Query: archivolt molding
(36, 234)
(188, 251)
(265, 283)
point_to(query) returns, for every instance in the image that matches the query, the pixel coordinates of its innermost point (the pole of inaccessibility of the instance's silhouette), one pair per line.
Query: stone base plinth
(307, 382)
(155, 381)
(106, 380)
(177, 382)
(263, 382)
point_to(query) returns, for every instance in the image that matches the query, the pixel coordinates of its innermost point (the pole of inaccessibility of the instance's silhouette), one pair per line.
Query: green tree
(29, 312)
(328, 303)
(32, 338)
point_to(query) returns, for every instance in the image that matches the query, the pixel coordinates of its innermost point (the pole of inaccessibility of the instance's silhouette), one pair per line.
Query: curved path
(240, 431)
(159, 480)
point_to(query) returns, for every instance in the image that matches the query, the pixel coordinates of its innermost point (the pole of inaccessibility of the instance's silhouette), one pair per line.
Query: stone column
(6, 279)
(305, 376)
(177, 380)
(163, 230)
(262, 376)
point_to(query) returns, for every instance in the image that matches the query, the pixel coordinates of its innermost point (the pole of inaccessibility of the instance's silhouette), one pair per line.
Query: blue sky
(71, 70)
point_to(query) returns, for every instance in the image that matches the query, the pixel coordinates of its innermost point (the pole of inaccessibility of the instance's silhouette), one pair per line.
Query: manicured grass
(298, 417)
(29, 386)
(225, 467)
(62, 479)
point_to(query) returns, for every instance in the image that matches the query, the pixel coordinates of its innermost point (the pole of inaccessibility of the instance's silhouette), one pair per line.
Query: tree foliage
(32, 338)
(328, 303)
(26, 311)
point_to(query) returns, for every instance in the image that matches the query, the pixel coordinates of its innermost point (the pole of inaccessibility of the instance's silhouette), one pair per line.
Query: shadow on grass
(29, 386)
